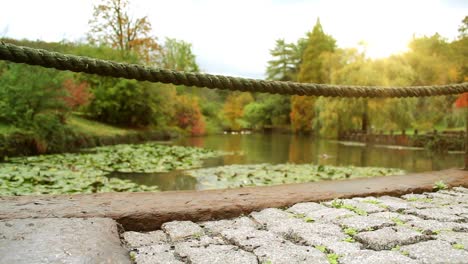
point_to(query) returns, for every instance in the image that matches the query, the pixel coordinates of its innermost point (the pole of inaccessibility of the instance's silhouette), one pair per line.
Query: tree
(286, 60)
(463, 29)
(112, 25)
(317, 43)
(268, 110)
(126, 103)
(311, 70)
(78, 94)
(233, 108)
(177, 55)
(188, 115)
(31, 99)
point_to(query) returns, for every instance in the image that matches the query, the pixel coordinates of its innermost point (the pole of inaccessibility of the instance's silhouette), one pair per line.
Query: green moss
(397, 221)
(337, 203)
(321, 248)
(371, 201)
(458, 246)
(415, 199)
(350, 231)
(333, 258)
(349, 239)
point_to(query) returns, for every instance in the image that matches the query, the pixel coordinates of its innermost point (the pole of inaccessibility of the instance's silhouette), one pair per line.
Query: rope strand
(59, 61)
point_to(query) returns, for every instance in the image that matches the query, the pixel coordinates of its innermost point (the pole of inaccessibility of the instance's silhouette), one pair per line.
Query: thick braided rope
(60, 61)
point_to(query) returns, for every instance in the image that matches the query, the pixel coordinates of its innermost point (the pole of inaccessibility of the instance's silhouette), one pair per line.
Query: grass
(94, 128)
(79, 124)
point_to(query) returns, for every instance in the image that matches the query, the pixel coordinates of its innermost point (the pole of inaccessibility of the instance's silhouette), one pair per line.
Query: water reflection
(170, 181)
(282, 148)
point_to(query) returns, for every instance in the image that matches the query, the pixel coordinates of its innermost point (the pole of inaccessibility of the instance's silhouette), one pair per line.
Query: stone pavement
(416, 228)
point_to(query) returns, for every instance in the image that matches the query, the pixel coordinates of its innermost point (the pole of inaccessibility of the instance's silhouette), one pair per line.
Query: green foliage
(349, 239)
(178, 55)
(31, 100)
(317, 43)
(125, 103)
(286, 60)
(350, 231)
(322, 249)
(440, 185)
(333, 258)
(265, 174)
(268, 110)
(87, 172)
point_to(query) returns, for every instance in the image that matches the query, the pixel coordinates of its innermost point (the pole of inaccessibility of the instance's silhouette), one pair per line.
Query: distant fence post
(466, 139)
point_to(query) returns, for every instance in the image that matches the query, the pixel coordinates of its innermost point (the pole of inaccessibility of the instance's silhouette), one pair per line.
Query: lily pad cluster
(86, 172)
(233, 176)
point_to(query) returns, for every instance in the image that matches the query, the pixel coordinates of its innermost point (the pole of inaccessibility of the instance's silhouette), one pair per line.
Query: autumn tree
(302, 107)
(78, 93)
(188, 115)
(233, 109)
(113, 25)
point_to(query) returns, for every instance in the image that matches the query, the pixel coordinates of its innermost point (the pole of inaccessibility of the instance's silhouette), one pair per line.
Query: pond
(284, 148)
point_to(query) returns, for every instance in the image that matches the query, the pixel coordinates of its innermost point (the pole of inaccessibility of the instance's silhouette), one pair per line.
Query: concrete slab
(61, 240)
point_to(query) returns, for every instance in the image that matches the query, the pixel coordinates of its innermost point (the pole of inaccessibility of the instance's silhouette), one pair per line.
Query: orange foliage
(78, 93)
(302, 113)
(234, 108)
(113, 25)
(462, 101)
(188, 115)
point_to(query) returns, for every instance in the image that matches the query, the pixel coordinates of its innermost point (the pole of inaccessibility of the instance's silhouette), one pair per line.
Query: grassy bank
(85, 133)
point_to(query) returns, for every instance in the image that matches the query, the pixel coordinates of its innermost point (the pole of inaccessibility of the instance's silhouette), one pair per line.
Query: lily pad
(86, 172)
(233, 176)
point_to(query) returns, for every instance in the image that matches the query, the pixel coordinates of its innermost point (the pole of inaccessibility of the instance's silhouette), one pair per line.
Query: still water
(285, 148)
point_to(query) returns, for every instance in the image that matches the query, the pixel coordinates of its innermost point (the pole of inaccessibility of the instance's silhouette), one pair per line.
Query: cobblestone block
(288, 253)
(343, 248)
(363, 204)
(155, 254)
(376, 257)
(389, 237)
(431, 226)
(396, 216)
(436, 251)
(394, 204)
(180, 230)
(362, 223)
(305, 208)
(454, 238)
(330, 215)
(251, 239)
(137, 239)
(447, 198)
(460, 189)
(226, 254)
(439, 214)
(216, 227)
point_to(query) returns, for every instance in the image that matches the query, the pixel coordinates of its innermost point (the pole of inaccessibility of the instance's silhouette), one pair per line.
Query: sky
(234, 37)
